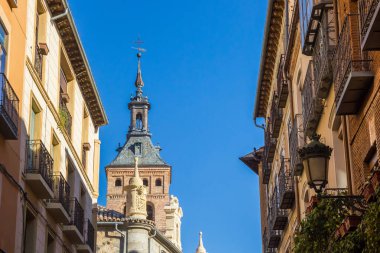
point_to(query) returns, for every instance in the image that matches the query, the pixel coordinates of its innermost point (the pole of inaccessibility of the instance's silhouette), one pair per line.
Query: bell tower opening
(139, 123)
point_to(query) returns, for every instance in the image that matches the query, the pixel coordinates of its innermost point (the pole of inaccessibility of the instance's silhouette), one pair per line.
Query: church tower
(154, 172)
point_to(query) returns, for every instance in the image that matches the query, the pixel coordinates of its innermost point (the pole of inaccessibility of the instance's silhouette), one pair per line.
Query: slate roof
(150, 154)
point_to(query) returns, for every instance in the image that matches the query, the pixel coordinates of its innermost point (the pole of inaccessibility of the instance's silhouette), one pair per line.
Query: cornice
(76, 54)
(268, 55)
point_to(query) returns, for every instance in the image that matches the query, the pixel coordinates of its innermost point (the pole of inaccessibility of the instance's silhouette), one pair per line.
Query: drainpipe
(257, 125)
(117, 230)
(60, 15)
(150, 237)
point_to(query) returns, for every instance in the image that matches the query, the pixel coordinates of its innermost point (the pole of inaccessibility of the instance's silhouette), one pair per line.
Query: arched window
(118, 182)
(150, 211)
(145, 182)
(139, 124)
(158, 182)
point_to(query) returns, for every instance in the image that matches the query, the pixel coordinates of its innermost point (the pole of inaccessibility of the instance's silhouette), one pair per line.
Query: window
(138, 148)
(150, 211)
(40, 48)
(139, 124)
(34, 122)
(55, 152)
(145, 182)
(158, 182)
(3, 49)
(118, 182)
(50, 247)
(86, 144)
(30, 232)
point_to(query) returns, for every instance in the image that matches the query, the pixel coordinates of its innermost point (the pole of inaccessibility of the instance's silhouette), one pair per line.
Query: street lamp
(315, 158)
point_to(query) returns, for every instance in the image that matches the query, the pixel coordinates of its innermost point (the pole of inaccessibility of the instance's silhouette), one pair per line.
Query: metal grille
(65, 117)
(39, 161)
(77, 215)
(61, 191)
(282, 84)
(90, 235)
(38, 59)
(348, 56)
(9, 103)
(296, 140)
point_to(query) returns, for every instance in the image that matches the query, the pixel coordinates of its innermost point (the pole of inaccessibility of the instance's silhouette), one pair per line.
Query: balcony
(278, 216)
(266, 171)
(270, 146)
(275, 118)
(59, 205)
(311, 13)
(296, 140)
(65, 117)
(271, 240)
(323, 54)
(352, 69)
(312, 106)
(286, 186)
(89, 246)
(370, 24)
(74, 230)
(38, 169)
(8, 110)
(282, 84)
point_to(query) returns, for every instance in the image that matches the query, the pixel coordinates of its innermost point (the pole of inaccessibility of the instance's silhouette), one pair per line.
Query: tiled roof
(105, 214)
(149, 156)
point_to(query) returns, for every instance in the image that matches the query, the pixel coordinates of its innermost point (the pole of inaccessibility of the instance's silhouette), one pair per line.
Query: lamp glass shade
(316, 170)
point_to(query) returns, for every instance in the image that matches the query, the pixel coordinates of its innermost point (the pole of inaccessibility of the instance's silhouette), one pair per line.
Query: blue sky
(200, 73)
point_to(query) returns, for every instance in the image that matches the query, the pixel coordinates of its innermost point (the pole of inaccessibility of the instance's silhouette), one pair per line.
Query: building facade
(53, 181)
(163, 214)
(319, 74)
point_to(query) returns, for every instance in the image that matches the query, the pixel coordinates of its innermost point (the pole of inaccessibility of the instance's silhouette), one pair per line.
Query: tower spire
(201, 248)
(139, 83)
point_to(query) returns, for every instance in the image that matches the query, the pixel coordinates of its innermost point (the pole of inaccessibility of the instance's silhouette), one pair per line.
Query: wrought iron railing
(61, 190)
(367, 9)
(270, 146)
(38, 61)
(65, 117)
(348, 56)
(311, 105)
(323, 54)
(275, 117)
(266, 171)
(286, 185)
(9, 103)
(282, 83)
(39, 161)
(77, 215)
(278, 217)
(296, 140)
(90, 239)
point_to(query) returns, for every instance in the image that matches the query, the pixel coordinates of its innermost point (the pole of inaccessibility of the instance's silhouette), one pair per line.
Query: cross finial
(138, 47)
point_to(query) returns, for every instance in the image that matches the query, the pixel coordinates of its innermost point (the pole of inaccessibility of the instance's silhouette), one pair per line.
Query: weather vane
(138, 47)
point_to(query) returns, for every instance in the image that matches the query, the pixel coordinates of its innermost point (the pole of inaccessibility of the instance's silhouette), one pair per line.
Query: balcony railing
(286, 186)
(65, 117)
(90, 235)
(312, 106)
(323, 54)
(61, 191)
(296, 140)
(311, 12)
(8, 109)
(77, 215)
(278, 216)
(38, 61)
(39, 161)
(352, 69)
(266, 171)
(282, 84)
(270, 146)
(275, 118)
(270, 242)
(370, 24)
